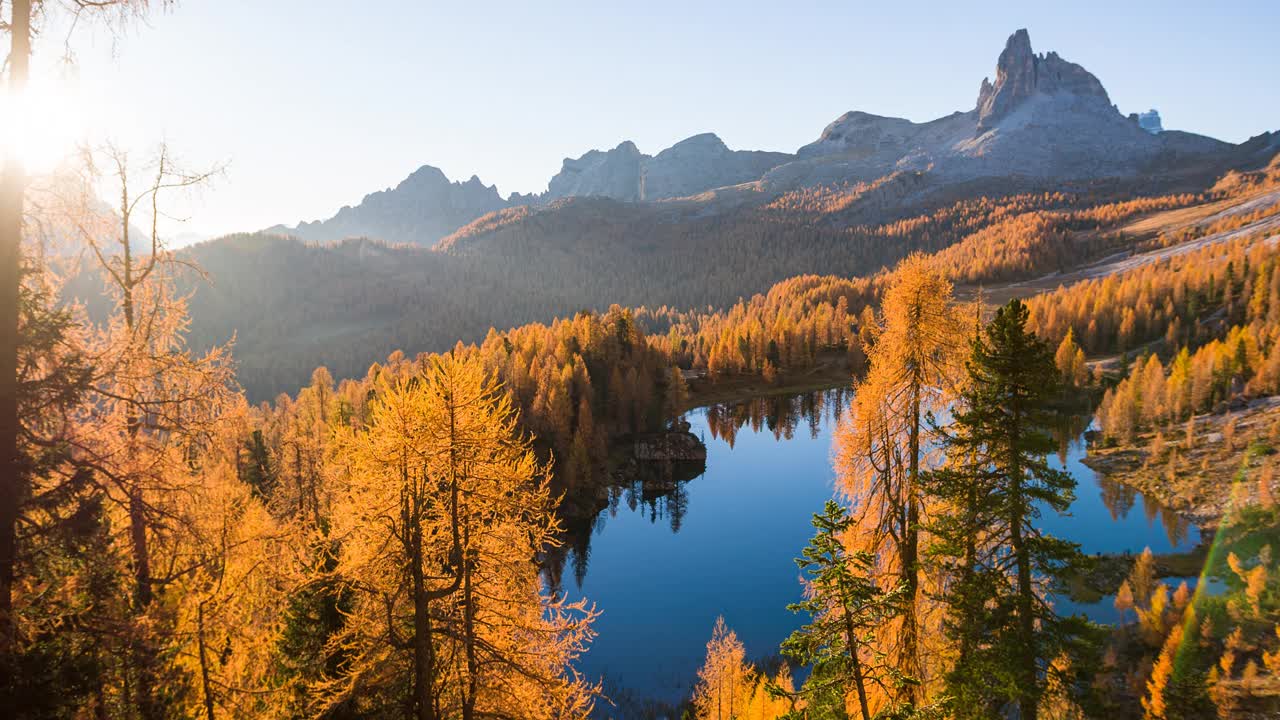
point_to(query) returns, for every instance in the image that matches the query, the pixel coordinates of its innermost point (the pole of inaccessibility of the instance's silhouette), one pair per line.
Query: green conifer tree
(998, 483)
(845, 606)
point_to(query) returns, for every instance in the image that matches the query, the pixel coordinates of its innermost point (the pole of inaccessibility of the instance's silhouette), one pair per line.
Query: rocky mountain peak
(1020, 74)
(700, 163)
(702, 143)
(426, 175)
(422, 208)
(615, 173)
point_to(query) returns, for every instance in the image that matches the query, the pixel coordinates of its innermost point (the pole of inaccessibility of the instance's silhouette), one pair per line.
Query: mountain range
(1043, 118)
(431, 262)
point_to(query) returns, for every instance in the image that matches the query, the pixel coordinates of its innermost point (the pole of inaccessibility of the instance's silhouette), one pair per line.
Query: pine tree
(58, 571)
(1002, 424)
(846, 607)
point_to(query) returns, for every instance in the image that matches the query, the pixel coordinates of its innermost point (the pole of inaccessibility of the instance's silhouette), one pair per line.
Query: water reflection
(657, 490)
(653, 489)
(670, 548)
(781, 414)
(1118, 499)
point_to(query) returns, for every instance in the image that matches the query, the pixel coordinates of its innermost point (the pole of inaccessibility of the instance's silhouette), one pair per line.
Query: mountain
(1043, 118)
(614, 173)
(697, 224)
(702, 163)
(423, 208)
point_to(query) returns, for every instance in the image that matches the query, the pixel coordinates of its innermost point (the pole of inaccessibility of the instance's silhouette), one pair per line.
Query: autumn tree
(226, 620)
(22, 26)
(886, 444)
(677, 393)
(725, 680)
(773, 697)
(1070, 361)
(155, 404)
(443, 510)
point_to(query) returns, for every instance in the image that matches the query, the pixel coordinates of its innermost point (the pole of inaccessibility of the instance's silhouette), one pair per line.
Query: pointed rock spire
(1020, 73)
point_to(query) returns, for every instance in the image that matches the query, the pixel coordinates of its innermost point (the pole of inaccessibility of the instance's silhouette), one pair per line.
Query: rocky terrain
(1042, 120)
(423, 208)
(1203, 473)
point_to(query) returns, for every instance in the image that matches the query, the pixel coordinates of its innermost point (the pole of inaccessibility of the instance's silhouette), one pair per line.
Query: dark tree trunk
(1028, 703)
(851, 642)
(423, 659)
(423, 701)
(206, 686)
(910, 658)
(469, 629)
(12, 191)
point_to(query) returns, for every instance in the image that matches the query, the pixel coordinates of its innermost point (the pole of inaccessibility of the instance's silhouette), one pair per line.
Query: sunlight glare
(40, 127)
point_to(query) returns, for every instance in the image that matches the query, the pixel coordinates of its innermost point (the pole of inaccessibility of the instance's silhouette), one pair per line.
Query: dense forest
(362, 505)
(290, 305)
(409, 520)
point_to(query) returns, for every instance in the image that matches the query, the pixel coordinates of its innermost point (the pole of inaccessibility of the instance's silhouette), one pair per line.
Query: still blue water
(742, 523)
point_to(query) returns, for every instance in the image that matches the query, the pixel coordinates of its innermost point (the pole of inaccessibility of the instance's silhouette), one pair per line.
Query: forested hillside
(290, 304)
(361, 474)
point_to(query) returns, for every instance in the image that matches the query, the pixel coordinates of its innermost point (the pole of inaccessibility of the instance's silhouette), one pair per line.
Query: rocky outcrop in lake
(674, 446)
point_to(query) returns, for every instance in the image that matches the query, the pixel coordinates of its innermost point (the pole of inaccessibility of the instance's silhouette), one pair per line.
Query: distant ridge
(1043, 118)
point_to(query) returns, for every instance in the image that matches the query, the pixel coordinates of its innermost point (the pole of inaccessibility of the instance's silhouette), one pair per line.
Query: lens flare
(40, 127)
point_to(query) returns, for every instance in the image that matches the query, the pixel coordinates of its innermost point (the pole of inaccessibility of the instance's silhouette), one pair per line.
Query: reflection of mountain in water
(656, 488)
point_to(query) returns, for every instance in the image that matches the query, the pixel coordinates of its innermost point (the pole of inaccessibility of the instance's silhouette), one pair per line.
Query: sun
(40, 127)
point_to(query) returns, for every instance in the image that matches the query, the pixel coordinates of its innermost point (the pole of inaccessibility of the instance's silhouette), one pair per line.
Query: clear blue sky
(314, 103)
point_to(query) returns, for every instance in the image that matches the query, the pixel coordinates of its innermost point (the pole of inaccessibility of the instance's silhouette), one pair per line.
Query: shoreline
(1188, 472)
(742, 388)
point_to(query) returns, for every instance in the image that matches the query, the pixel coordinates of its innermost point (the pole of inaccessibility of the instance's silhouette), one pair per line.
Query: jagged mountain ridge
(426, 206)
(1043, 117)
(422, 208)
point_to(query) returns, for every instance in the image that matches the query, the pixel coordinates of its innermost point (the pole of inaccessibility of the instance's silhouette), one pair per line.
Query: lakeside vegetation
(200, 509)
(388, 541)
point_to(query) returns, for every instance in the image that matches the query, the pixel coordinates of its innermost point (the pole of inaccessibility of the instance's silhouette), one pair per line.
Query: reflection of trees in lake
(1068, 430)
(656, 489)
(1118, 497)
(1175, 526)
(780, 414)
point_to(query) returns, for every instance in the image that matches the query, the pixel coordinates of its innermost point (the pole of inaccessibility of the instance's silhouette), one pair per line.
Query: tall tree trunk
(469, 629)
(1028, 702)
(297, 476)
(967, 571)
(422, 655)
(206, 686)
(145, 657)
(12, 192)
(910, 653)
(851, 642)
(423, 652)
